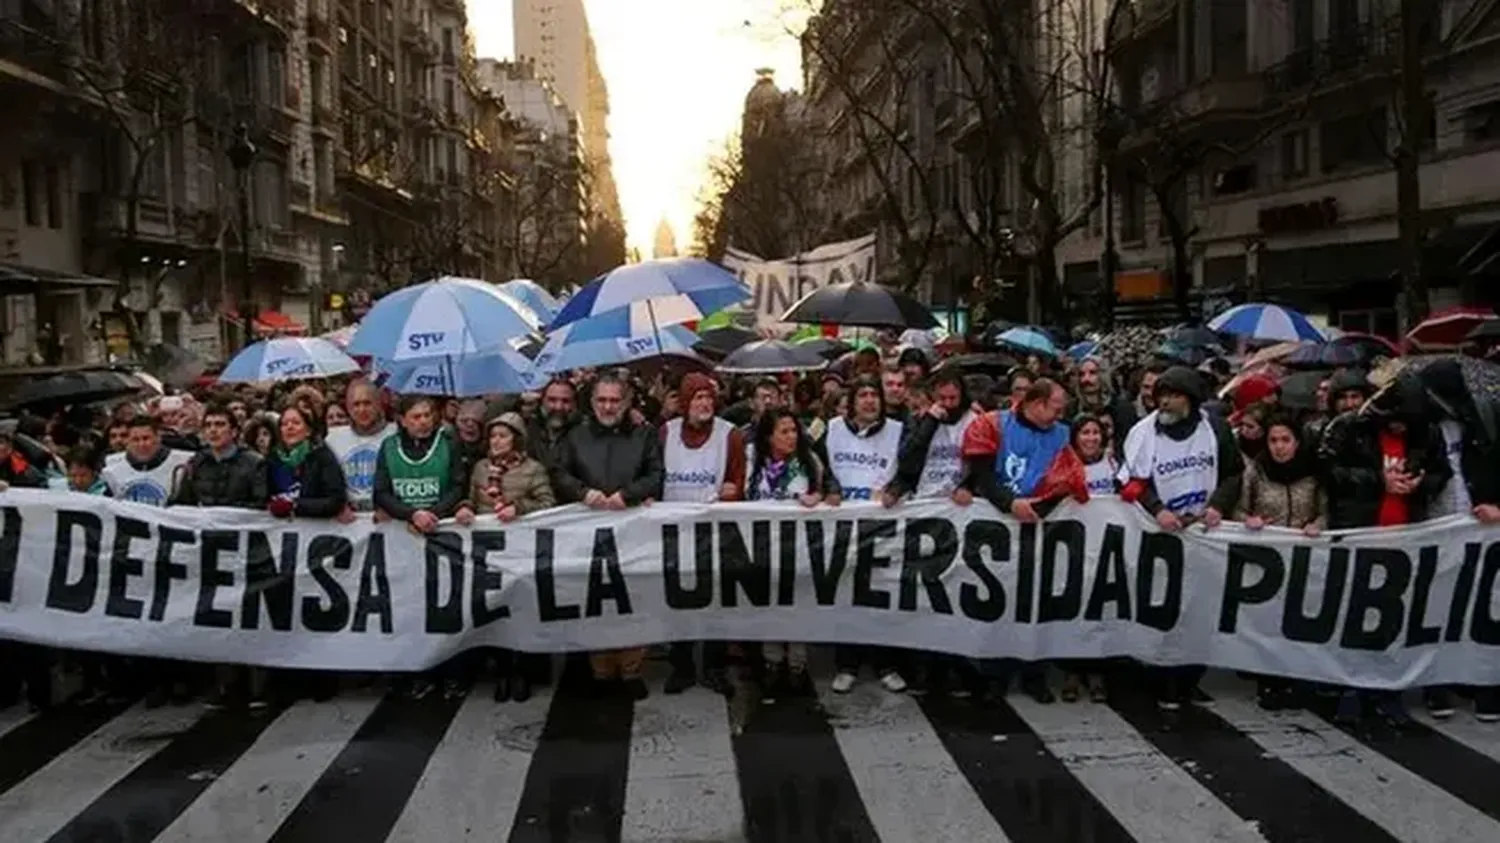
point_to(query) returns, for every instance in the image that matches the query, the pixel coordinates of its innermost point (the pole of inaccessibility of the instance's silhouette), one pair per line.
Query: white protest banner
(1374, 608)
(778, 284)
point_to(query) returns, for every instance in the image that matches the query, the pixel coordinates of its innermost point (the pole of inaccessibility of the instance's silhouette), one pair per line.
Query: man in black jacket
(609, 463)
(223, 473)
(558, 413)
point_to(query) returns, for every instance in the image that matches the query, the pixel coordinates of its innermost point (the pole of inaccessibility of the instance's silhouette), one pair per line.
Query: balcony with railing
(320, 35)
(415, 37)
(1352, 53)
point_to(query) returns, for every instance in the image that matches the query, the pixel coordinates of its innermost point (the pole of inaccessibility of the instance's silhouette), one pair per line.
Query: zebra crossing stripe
(1147, 792)
(46, 801)
(472, 784)
(136, 808)
(1404, 804)
(1483, 738)
(361, 793)
(1258, 786)
(909, 784)
(250, 799)
(1022, 784)
(683, 783)
(33, 742)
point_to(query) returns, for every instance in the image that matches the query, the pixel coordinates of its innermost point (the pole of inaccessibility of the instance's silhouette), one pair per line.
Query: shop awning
(20, 279)
(272, 322)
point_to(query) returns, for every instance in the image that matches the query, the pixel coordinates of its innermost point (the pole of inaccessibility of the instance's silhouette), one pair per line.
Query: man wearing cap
(704, 461)
(1177, 462)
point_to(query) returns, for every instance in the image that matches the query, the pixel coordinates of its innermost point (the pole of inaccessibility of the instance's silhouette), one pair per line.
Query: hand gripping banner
(1374, 608)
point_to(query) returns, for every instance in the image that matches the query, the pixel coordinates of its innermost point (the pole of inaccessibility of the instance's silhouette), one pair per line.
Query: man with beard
(703, 457)
(1095, 398)
(609, 463)
(357, 445)
(1174, 462)
(558, 412)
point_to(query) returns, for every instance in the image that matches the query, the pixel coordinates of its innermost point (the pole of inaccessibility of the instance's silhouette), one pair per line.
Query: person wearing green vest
(420, 479)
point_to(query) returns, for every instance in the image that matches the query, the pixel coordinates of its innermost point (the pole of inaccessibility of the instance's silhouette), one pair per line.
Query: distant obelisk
(666, 241)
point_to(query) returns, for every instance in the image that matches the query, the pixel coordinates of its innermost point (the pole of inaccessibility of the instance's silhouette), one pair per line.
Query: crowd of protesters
(886, 430)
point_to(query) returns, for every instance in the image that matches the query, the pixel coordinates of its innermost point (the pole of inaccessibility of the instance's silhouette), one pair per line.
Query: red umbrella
(1447, 328)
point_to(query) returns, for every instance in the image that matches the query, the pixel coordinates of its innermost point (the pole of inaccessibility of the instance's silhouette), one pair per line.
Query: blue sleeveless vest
(1026, 453)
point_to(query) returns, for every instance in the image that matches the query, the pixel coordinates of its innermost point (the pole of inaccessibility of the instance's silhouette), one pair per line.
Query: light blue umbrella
(534, 296)
(589, 343)
(288, 359)
(497, 372)
(1029, 340)
(644, 296)
(447, 318)
(1266, 322)
(1080, 350)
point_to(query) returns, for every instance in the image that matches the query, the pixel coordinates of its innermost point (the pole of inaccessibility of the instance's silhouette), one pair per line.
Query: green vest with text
(419, 483)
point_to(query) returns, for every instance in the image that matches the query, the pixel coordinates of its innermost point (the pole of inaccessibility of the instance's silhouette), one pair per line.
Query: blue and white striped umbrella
(1266, 322)
(449, 317)
(588, 343)
(497, 372)
(642, 296)
(288, 359)
(534, 296)
(1029, 340)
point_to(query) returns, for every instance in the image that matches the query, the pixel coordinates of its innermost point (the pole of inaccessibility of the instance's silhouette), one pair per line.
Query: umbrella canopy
(726, 339)
(534, 296)
(1194, 336)
(862, 304)
(772, 356)
(1331, 355)
(450, 317)
(995, 363)
(505, 371)
(1449, 328)
(343, 336)
(1486, 331)
(1482, 377)
(287, 359)
(582, 344)
(1187, 355)
(1080, 350)
(1299, 391)
(70, 388)
(1029, 341)
(829, 348)
(174, 365)
(654, 293)
(1266, 322)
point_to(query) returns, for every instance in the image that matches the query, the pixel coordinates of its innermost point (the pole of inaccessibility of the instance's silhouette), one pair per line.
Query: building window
(1294, 164)
(1234, 180)
(1354, 141)
(31, 193)
(53, 186)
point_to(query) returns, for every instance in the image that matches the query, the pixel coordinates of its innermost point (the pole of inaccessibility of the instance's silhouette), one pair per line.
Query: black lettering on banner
(211, 578)
(1237, 592)
(1417, 633)
(866, 560)
(374, 590)
(269, 582)
(445, 551)
(828, 569)
(1485, 628)
(75, 596)
(984, 602)
(1026, 574)
(487, 580)
(165, 570)
(786, 575)
(10, 551)
(1111, 582)
(1384, 599)
(322, 552)
(1165, 548)
(1296, 624)
(1463, 591)
(927, 566)
(123, 567)
(546, 582)
(742, 569)
(1064, 606)
(606, 580)
(701, 595)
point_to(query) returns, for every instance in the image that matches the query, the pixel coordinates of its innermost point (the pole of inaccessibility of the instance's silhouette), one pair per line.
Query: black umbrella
(75, 388)
(725, 340)
(174, 365)
(1299, 391)
(862, 304)
(969, 364)
(826, 347)
(764, 357)
(1193, 336)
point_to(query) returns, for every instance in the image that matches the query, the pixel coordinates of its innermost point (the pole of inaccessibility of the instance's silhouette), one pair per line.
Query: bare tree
(546, 228)
(763, 193)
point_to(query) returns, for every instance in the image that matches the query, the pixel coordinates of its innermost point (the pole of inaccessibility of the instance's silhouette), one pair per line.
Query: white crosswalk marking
(910, 785)
(472, 785)
(1483, 738)
(1152, 797)
(41, 805)
(1388, 794)
(262, 787)
(12, 718)
(683, 781)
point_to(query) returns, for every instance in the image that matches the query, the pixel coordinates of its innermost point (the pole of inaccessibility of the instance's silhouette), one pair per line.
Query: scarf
(1302, 464)
(776, 477)
(499, 466)
(294, 457)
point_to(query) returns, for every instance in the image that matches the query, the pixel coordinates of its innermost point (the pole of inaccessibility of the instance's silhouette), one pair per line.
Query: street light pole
(242, 157)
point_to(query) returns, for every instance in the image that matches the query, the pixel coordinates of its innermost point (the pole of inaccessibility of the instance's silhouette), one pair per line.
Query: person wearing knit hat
(704, 460)
(1181, 464)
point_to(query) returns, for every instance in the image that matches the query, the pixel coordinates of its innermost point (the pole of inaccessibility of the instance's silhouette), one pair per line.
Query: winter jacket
(526, 486)
(1480, 418)
(543, 447)
(626, 458)
(237, 480)
(386, 499)
(1292, 504)
(323, 491)
(1353, 467)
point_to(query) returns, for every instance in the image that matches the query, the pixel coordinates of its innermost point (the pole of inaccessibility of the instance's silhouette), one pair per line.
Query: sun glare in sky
(678, 72)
